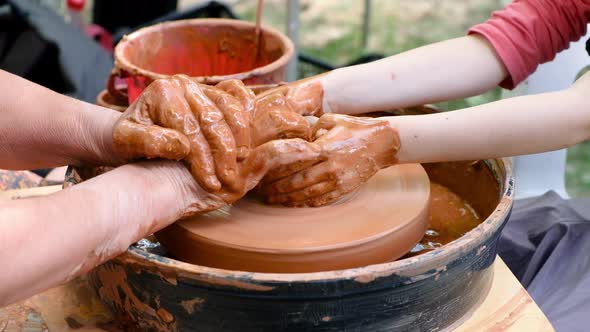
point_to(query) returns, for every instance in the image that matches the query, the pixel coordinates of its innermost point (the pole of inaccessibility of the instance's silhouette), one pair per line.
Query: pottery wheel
(378, 223)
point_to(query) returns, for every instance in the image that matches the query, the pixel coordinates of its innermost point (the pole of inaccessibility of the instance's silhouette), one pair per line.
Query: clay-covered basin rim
(440, 257)
(288, 49)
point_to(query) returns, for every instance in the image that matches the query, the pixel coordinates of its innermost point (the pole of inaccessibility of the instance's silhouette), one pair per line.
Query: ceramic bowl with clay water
(207, 50)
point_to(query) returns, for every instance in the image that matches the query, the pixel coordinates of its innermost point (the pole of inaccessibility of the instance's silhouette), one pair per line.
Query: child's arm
(515, 126)
(447, 70)
(522, 125)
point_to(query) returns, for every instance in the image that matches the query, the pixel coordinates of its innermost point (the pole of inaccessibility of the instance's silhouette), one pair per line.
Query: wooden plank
(28, 192)
(507, 308)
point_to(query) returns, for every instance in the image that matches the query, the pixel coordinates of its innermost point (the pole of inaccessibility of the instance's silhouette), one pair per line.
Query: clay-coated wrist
(103, 123)
(390, 158)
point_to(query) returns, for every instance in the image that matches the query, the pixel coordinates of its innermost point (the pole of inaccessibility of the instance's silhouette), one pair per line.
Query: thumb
(133, 140)
(325, 123)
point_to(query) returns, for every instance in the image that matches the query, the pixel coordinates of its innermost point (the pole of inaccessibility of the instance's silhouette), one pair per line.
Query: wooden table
(75, 307)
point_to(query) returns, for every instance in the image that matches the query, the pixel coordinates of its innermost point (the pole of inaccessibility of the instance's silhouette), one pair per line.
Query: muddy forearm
(515, 126)
(46, 241)
(40, 128)
(447, 70)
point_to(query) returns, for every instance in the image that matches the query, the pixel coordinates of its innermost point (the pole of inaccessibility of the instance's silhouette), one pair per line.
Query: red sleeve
(530, 32)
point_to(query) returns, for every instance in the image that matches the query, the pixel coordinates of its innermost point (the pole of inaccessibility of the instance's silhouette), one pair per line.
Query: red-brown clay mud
(352, 149)
(218, 131)
(449, 218)
(378, 223)
(208, 50)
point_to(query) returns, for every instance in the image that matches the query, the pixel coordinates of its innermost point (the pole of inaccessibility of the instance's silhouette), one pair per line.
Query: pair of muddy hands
(232, 141)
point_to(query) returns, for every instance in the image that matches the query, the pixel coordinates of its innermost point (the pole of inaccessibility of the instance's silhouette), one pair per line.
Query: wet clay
(221, 133)
(352, 149)
(213, 129)
(304, 96)
(379, 222)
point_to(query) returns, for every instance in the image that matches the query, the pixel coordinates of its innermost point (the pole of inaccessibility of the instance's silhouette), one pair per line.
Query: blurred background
(332, 33)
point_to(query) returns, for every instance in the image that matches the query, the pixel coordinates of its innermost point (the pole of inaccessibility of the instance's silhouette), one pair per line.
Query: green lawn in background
(331, 31)
(577, 175)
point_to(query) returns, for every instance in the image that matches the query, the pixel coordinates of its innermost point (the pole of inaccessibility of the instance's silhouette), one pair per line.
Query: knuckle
(332, 169)
(160, 84)
(181, 77)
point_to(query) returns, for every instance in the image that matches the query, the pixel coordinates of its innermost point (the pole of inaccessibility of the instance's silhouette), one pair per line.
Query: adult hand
(352, 149)
(269, 135)
(265, 118)
(304, 97)
(293, 154)
(175, 119)
(213, 129)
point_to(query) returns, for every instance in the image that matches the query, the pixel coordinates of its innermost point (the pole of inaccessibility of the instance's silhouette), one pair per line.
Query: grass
(577, 174)
(331, 31)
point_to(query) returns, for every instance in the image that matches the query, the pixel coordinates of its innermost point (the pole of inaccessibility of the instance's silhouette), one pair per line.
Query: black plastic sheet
(39, 45)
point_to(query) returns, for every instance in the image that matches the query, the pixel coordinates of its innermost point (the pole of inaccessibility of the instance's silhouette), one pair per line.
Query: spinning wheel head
(380, 222)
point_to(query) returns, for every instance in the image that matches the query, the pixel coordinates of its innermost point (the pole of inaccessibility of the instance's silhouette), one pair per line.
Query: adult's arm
(48, 240)
(40, 128)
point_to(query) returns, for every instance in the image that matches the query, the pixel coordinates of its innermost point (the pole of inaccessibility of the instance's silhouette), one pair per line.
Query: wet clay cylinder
(379, 223)
(208, 50)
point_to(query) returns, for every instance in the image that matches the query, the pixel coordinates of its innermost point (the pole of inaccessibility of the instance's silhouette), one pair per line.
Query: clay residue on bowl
(105, 99)
(116, 288)
(436, 287)
(204, 50)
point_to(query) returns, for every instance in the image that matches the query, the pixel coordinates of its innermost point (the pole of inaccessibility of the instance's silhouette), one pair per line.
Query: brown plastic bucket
(208, 50)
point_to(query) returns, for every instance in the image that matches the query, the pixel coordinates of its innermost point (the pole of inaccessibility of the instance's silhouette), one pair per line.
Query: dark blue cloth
(546, 244)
